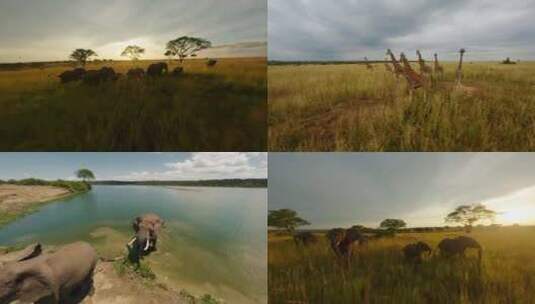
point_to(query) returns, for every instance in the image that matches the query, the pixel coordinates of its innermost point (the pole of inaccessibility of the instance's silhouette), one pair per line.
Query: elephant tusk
(147, 246)
(132, 241)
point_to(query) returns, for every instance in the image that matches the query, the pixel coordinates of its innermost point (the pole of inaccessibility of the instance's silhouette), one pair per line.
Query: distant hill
(237, 183)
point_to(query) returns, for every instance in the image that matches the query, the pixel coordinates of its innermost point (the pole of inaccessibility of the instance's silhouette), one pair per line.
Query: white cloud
(208, 166)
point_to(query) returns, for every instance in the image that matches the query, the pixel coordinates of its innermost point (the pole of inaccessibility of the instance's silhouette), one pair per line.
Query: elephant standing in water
(413, 252)
(65, 276)
(147, 228)
(457, 246)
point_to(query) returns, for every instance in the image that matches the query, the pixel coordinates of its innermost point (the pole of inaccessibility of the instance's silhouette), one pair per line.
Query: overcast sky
(41, 30)
(134, 166)
(345, 189)
(352, 29)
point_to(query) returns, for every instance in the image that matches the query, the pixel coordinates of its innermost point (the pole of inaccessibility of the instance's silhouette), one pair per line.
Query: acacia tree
(286, 219)
(186, 46)
(82, 55)
(468, 215)
(133, 51)
(85, 175)
(393, 225)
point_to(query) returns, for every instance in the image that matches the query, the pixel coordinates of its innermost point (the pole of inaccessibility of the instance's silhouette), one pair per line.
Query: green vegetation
(72, 186)
(126, 267)
(204, 109)
(238, 183)
(378, 273)
(85, 175)
(468, 215)
(345, 107)
(286, 219)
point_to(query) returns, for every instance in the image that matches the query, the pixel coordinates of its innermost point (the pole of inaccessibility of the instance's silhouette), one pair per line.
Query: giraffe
(439, 70)
(414, 79)
(424, 68)
(398, 69)
(368, 65)
(460, 67)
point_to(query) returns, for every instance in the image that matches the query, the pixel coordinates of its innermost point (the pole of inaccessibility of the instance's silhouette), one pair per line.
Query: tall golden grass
(378, 273)
(222, 108)
(350, 108)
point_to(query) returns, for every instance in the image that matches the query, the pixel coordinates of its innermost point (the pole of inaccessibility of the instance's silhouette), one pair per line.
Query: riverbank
(17, 200)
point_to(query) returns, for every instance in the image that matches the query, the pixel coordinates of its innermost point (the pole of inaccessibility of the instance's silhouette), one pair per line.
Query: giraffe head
(388, 51)
(462, 51)
(435, 55)
(418, 53)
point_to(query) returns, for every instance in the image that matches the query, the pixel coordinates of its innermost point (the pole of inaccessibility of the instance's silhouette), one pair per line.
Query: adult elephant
(157, 69)
(413, 252)
(457, 246)
(72, 75)
(95, 77)
(64, 276)
(335, 236)
(146, 228)
(305, 238)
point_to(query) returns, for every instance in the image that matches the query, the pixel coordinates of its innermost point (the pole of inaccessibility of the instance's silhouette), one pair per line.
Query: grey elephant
(335, 236)
(147, 227)
(94, 77)
(157, 69)
(137, 73)
(413, 252)
(457, 246)
(305, 238)
(72, 75)
(64, 276)
(342, 240)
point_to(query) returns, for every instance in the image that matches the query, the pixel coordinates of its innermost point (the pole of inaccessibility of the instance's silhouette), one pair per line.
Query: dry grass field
(222, 108)
(378, 273)
(349, 108)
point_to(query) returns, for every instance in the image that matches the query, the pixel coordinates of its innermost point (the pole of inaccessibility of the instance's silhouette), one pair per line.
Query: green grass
(379, 274)
(206, 109)
(348, 108)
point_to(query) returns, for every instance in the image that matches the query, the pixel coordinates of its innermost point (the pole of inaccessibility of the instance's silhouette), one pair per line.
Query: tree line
(182, 47)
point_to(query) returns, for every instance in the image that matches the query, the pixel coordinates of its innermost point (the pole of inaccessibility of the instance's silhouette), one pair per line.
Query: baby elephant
(413, 252)
(157, 69)
(135, 73)
(457, 246)
(59, 277)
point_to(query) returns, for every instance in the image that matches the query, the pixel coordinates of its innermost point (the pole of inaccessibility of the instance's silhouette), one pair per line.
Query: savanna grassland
(378, 273)
(349, 108)
(220, 108)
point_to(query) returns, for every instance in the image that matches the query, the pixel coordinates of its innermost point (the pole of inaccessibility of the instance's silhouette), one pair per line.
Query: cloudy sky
(134, 166)
(341, 190)
(352, 29)
(46, 30)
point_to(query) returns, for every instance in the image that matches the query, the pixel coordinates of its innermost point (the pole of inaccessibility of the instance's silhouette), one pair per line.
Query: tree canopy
(186, 46)
(82, 55)
(85, 174)
(286, 219)
(133, 51)
(468, 215)
(393, 224)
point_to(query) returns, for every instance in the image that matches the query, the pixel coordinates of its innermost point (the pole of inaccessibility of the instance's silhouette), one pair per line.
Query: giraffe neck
(436, 61)
(460, 62)
(394, 61)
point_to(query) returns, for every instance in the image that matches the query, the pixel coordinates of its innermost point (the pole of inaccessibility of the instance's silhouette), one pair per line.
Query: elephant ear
(135, 223)
(35, 283)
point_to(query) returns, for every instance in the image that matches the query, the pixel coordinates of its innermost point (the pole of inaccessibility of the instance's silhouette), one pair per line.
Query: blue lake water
(214, 241)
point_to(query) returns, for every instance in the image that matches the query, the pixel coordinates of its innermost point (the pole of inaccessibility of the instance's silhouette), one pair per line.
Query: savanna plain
(208, 108)
(378, 272)
(351, 107)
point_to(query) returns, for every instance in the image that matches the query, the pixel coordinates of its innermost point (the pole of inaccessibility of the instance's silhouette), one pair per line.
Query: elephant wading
(457, 246)
(157, 69)
(64, 276)
(413, 252)
(305, 239)
(147, 228)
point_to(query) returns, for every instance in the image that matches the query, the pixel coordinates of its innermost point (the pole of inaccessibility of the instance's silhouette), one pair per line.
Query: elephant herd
(343, 241)
(65, 275)
(107, 74)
